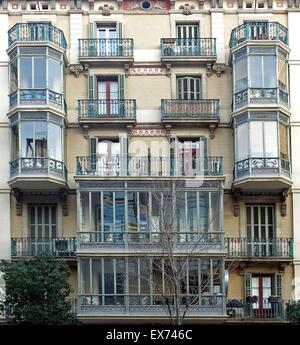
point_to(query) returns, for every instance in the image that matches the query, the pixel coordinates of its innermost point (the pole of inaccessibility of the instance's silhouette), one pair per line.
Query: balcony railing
(147, 237)
(261, 96)
(31, 246)
(112, 47)
(253, 308)
(116, 165)
(278, 247)
(185, 47)
(262, 166)
(259, 31)
(198, 109)
(114, 108)
(38, 166)
(33, 97)
(35, 32)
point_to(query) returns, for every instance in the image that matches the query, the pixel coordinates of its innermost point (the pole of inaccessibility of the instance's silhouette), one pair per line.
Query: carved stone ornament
(63, 194)
(236, 203)
(106, 10)
(219, 68)
(187, 9)
(19, 201)
(76, 69)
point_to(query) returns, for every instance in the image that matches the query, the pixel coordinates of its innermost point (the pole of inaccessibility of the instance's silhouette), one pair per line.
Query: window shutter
(121, 86)
(276, 284)
(202, 156)
(120, 29)
(92, 87)
(92, 30)
(93, 153)
(248, 284)
(175, 157)
(124, 155)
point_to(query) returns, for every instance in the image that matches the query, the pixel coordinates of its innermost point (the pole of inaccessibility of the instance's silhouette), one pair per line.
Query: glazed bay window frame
(34, 90)
(274, 162)
(137, 284)
(46, 154)
(127, 216)
(248, 91)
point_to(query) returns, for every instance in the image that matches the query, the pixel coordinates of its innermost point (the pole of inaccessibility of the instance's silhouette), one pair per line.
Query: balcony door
(108, 94)
(260, 230)
(187, 38)
(261, 287)
(188, 88)
(108, 44)
(42, 228)
(108, 163)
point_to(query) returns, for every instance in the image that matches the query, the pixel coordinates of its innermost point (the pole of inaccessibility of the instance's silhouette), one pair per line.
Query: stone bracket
(85, 129)
(236, 202)
(283, 196)
(19, 201)
(217, 68)
(76, 69)
(63, 195)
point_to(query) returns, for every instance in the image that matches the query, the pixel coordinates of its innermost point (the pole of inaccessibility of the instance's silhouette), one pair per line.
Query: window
(262, 71)
(240, 74)
(264, 139)
(283, 132)
(108, 94)
(260, 230)
(187, 31)
(189, 88)
(242, 141)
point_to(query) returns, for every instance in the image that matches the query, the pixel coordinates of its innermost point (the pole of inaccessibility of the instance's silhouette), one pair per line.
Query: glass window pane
(204, 209)
(283, 141)
(26, 72)
(40, 138)
(108, 213)
(256, 135)
(109, 276)
(97, 276)
(55, 141)
(85, 276)
(269, 71)
(14, 142)
(271, 140)
(256, 73)
(192, 219)
(27, 149)
(119, 211)
(240, 73)
(132, 211)
(133, 275)
(242, 141)
(39, 72)
(282, 74)
(54, 75)
(14, 76)
(144, 211)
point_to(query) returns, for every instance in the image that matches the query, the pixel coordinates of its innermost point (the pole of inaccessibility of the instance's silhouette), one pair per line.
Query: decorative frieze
(149, 132)
(106, 10)
(146, 5)
(147, 70)
(76, 69)
(217, 68)
(187, 9)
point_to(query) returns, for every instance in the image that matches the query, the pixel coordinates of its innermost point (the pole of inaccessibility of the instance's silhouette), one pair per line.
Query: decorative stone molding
(187, 9)
(220, 3)
(219, 68)
(4, 5)
(147, 70)
(168, 69)
(85, 129)
(23, 5)
(240, 3)
(283, 196)
(91, 5)
(270, 3)
(201, 4)
(209, 70)
(148, 132)
(106, 10)
(212, 131)
(129, 131)
(63, 195)
(86, 70)
(19, 201)
(236, 202)
(53, 5)
(76, 69)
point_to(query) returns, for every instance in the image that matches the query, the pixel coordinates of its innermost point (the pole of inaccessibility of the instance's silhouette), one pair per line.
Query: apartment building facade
(127, 118)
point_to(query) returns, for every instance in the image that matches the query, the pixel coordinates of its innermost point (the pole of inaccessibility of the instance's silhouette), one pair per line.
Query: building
(115, 105)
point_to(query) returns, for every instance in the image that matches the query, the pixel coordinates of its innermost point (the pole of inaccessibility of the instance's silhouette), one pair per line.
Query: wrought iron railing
(38, 166)
(276, 247)
(252, 166)
(117, 165)
(197, 108)
(261, 96)
(119, 299)
(252, 308)
(32, 246)
(142, 237)
(37, 97)
(112, 47)
(259, 31)
(37, 32)
(188, 47)
(115, 108)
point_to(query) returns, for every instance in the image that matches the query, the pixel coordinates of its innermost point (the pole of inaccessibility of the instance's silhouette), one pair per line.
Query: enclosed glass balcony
(188, 48)
(259, 31)
(36, 32)
(96, 109)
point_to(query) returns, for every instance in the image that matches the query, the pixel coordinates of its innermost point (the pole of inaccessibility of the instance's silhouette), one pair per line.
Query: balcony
(188, 50)
(104, 50)
(116, 165)
(258, 31)
(27, 98)
(30, 246)
(261, 96)
(267, 173)
(115, 111)
(141, 241)
(152, 305)
(37, 173)
(36, 32)
(273, 308)
(263, 249)
(200, 111)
